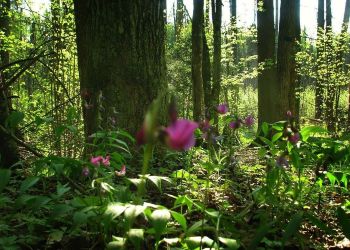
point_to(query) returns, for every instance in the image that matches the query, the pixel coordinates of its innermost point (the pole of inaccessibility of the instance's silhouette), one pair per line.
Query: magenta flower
(96, 160)
(122, 171)
(294, 138)
(105, 161)
(140, 136)
(180, 134)
(249, 121)
(85, 171)
(235, 124)
(222, 108)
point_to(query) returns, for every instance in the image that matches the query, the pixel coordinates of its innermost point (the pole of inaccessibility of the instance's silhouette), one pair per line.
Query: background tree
(217, 19)
(121, 60)
(288, 38)
(267, 78)
(197, 59)
(8, 147)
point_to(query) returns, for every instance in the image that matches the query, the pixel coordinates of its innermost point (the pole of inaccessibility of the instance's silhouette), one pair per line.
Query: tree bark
(180, 11)
(289, 35)
(267, 78)
(121, 60)
(217, 18)
(197, 59)
(9, 154)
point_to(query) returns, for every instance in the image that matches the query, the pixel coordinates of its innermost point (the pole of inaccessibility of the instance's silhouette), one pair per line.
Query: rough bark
(267, 79)
(8, 148)
(319, 89)
(121, 60)
(217, 19)
(289, 35)
(197, 59)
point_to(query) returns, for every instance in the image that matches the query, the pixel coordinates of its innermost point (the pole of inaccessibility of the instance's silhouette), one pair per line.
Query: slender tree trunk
(180, 11)
(233, 16)
(8, 148)
(121, 60)
(319, 90)
(289, 36)
(331, 89)
(206, 74)
(217, 17)
(267, 78)
(197, 59)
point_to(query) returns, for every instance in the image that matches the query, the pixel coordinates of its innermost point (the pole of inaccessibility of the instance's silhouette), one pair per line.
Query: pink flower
(294, 138)
(249, 121)
(105, 161)
(289, 114)
(140, 136)
(96, 160)
(122, 171)
(180, 134)
(235, 124)
(85, 171)
(222, 108)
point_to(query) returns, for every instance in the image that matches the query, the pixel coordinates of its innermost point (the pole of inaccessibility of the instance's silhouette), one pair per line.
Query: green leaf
(292, 227)
(230, 243)
(308, 131)
(117, 243)
(344, 221)
(265, 128)
(197, 241)
(160, 219)
(320, 224)
(181, 174)
(332, 178)
(259, 235)
(5, 175)
(180, 219)
(157, 181)
(14, 119)
(276, 136)
(27, 183)
(136, 236)
(115, 209)
(196, 227)
(132, 211)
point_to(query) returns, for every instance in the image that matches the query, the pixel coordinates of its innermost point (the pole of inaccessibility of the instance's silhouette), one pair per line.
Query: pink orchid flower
(122, 171)
(222, 108)
(105, 161)
(249, 121)
(96, 160)
(181, 134)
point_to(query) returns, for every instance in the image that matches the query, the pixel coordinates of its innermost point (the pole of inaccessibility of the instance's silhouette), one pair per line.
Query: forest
(174, 124)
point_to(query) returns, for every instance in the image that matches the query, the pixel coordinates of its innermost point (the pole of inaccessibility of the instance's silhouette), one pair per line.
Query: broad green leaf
(308, 131)
(292, 227)
(331, 178)
(136, 236)
(230, 243)
(132, 211)
(117, 243)
(157, 180)
(115, 209)
(181, 174)
(196, 227)
(276, 136)
(27, 183)
(160, 219)
(180, 219)
(198, 241)
(265, 128)
(344, 221)
(259, 235)
(320, 224)
(61, 209)
(5, 175)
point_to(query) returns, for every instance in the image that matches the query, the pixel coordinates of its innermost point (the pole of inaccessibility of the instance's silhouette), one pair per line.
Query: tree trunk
(289, 35)
(233, 16)
(197, 59)
(206, 74)
(217, 17)
(319, 90)
(267, 78)
(180, 11)
(121, 60)
(331, 90)
(9, 154)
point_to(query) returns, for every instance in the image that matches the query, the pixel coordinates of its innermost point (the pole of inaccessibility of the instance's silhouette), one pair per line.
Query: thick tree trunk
(8, 147)
(217, 17)
(289, 35)
(267, 79)
(121, 60)
(319, 90)
(197, 59)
